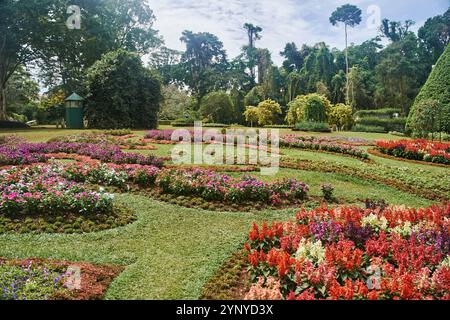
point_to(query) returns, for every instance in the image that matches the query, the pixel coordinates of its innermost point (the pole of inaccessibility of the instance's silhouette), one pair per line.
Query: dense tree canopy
(122, 93)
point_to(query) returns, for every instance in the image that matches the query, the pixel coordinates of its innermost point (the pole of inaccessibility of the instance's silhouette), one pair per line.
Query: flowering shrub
(311, 143)
(353, 253)
(420, 149)
(26, 153)
(211, 186)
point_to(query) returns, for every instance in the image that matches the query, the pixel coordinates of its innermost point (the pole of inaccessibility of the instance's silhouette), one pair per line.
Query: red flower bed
(353, 253)
(420, 149)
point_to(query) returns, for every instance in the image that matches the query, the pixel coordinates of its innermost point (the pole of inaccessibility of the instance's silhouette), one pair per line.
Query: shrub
(314, 110)
(379, 113)
(327, 191)
(217, 107)
(12, 125)
(436, 88)
(365, 128)
(341, 116)
(429, 117)
(123, 94)
(267, 111)
(164, 122)
(314, 103)
(182, 123)
(395, 124)
(117, 132)
(312, 126)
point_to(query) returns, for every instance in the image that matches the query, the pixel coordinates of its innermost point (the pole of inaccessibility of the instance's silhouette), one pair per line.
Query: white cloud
(300, 21)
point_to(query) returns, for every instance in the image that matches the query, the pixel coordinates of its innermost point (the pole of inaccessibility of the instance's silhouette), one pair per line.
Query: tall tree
(395, 30)
(435, 35)
(254, 34)
(19, 26)
(204, 61)
(350, 16)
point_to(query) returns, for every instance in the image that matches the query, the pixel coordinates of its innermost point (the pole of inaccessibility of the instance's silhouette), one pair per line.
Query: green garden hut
(74, 111)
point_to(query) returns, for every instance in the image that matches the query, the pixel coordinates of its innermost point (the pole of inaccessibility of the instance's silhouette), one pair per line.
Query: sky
(299, 21)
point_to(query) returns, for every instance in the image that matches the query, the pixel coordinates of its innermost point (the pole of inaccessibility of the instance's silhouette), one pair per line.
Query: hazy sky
(299, 21)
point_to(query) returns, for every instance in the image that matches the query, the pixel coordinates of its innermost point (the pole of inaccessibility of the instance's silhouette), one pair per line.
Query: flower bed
(26, 153)
(40, 279)
(353, 253)
(31, 282)
(420, 149)
(39, 199)
(423, 183)
(322, 145)
(214, 187)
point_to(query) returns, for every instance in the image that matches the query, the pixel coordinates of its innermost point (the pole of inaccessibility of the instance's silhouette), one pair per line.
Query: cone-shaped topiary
(436, 90)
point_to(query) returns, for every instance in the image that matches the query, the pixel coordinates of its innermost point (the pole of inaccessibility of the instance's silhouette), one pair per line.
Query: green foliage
(400, 73)
(312, 126)
(435, 35)
(348, 14)
(254, 96)
(217, 107)
(314, 110)
(182, 123)
(175, 103)
(436, 88)
(311, 107)
(395, 124)
(429, 117)
(341, 116)
(251, 114)
(380, 113)
(203, 64)
(268, 111)
(368, 128)
(123, 94)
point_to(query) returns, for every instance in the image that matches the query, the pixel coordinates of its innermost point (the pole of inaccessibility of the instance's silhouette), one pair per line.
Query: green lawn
(170, 251)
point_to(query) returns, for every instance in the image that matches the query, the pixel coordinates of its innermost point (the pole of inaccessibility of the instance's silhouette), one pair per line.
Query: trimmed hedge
(13, 125)
(164, 122)
(380, 113)
(312, 126)
(436, 88)
(182, 123)
(395, 124)
(363, 128)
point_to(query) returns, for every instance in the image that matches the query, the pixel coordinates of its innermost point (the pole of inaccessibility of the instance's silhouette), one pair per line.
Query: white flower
(376, 223)
(404, 229)
(314, 252)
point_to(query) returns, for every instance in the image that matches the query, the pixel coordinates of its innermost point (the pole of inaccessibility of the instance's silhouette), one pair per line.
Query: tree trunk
(347, 98)
(3, 104)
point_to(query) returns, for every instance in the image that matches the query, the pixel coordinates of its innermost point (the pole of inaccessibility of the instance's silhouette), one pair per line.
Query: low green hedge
(216, 125)
(395, 124)
(164, 122)
(12, 124)
(364, 128)
(386, 113)
(279, 126)
(312, 126)
(182, 123)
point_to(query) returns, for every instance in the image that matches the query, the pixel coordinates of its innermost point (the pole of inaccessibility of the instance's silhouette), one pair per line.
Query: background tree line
(365, 76)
